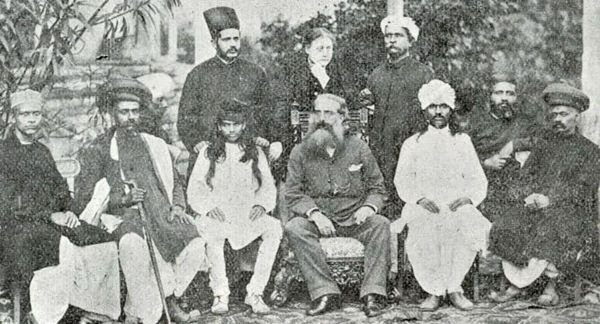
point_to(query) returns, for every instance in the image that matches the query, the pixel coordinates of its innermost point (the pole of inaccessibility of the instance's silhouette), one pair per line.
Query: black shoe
(324, 304)
(178, 315)
(373, 306)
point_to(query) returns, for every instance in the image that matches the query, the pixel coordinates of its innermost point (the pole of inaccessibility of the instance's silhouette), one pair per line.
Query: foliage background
(463, 41)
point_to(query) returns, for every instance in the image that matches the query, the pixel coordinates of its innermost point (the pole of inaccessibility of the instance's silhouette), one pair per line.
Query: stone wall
(72, 117)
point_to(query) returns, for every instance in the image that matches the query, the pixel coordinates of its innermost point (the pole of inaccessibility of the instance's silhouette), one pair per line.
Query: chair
(345, 255)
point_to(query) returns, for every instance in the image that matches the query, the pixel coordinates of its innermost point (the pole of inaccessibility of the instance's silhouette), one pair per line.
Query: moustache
(558, 125)
(232, 50)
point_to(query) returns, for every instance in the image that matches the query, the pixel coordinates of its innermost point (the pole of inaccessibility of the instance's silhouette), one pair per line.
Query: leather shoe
(460, 301)
(372, 307)
(431, 303)
(324, 304)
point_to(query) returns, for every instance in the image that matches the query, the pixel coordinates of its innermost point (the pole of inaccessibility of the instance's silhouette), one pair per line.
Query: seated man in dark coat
(334, 187)
(125, 155)
(34, 197)
(552, 224)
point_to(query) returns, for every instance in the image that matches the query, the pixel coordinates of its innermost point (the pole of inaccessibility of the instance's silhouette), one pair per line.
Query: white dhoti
(87, 277)
(524, 276)
(441, 247)
(267, 228)
(143, 298)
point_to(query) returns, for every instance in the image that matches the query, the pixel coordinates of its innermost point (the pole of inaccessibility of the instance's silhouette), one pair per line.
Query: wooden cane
(153, 260)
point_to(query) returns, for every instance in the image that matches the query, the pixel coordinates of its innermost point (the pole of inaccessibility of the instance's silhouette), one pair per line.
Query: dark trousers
(374, 234)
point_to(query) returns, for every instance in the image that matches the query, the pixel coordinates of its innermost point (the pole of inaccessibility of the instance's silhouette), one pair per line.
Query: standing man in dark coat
(392, 88)
(552, 225)
(491, 129)
(125, 154)
(34, 198)
(225, 76)
(334, 187)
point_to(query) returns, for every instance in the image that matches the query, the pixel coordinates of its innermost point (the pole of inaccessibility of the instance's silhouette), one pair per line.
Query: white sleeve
(406, 173)
(476, 183)
(266, 195)
(198, 192)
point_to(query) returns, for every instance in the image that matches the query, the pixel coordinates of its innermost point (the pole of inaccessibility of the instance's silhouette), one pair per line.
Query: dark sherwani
(489, 136)
(31, 189)
(213, 81)
(397, 113)
(136, 163)
(567, 170)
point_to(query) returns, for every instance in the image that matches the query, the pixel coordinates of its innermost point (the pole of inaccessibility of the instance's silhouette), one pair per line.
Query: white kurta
(234, 192)
(442, 168)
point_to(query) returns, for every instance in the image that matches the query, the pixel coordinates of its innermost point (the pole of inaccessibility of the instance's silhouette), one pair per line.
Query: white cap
(405, 22)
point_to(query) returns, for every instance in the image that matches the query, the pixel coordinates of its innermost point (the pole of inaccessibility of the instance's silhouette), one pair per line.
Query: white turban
(405, 22)
(25, 96)
(437, 92)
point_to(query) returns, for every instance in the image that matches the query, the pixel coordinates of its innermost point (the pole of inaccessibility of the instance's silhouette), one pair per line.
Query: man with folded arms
(441, 181)
(334, 187)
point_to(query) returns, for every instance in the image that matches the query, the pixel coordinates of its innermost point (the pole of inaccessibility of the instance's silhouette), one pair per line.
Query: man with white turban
(441, 181)
(392, 89)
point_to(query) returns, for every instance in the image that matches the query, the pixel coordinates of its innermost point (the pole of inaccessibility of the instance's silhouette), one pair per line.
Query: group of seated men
(462, 188)
(544, 215)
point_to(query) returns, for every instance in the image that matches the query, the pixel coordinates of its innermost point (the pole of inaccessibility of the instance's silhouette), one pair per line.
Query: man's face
(320, 51)
(438, 115)
(326, 111)
(231, 130)
(396, 40)
(228, 44)
(503, 99)
(564, 119)
(28, 118)
(127, 114)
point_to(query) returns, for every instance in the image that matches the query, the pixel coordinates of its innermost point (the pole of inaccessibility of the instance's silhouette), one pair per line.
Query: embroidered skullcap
(402, 21)
(221, 18)
(27, 96)
(437, 92)
(562, 94)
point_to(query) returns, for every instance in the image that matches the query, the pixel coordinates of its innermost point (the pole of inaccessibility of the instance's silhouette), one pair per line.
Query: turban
(25, 97)
(221, 18)
(404, 22)
(122, 89)
(437, 92)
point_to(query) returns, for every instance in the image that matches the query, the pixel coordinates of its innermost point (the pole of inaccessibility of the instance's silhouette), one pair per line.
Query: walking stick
(163, 298)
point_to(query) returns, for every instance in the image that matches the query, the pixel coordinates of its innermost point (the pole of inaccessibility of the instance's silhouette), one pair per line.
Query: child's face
(231, 130)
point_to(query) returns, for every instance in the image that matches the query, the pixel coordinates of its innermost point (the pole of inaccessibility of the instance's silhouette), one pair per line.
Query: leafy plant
(38, 36)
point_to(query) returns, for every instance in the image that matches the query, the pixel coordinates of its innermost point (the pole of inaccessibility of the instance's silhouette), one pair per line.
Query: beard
(504, 110)
(438, 121)
(321, 136)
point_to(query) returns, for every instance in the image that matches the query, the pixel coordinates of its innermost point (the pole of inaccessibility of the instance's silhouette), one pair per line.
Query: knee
(379, 221)
(297, 226)
(130, 240)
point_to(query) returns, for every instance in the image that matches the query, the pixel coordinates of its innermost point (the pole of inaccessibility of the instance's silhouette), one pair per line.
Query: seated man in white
(232, 188)
(440, 179)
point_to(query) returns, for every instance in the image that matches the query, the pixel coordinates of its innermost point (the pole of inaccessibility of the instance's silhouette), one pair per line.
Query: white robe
(234, 192)
(442, 168)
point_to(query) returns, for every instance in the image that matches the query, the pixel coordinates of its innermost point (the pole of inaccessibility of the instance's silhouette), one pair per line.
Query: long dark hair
(215, 152)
